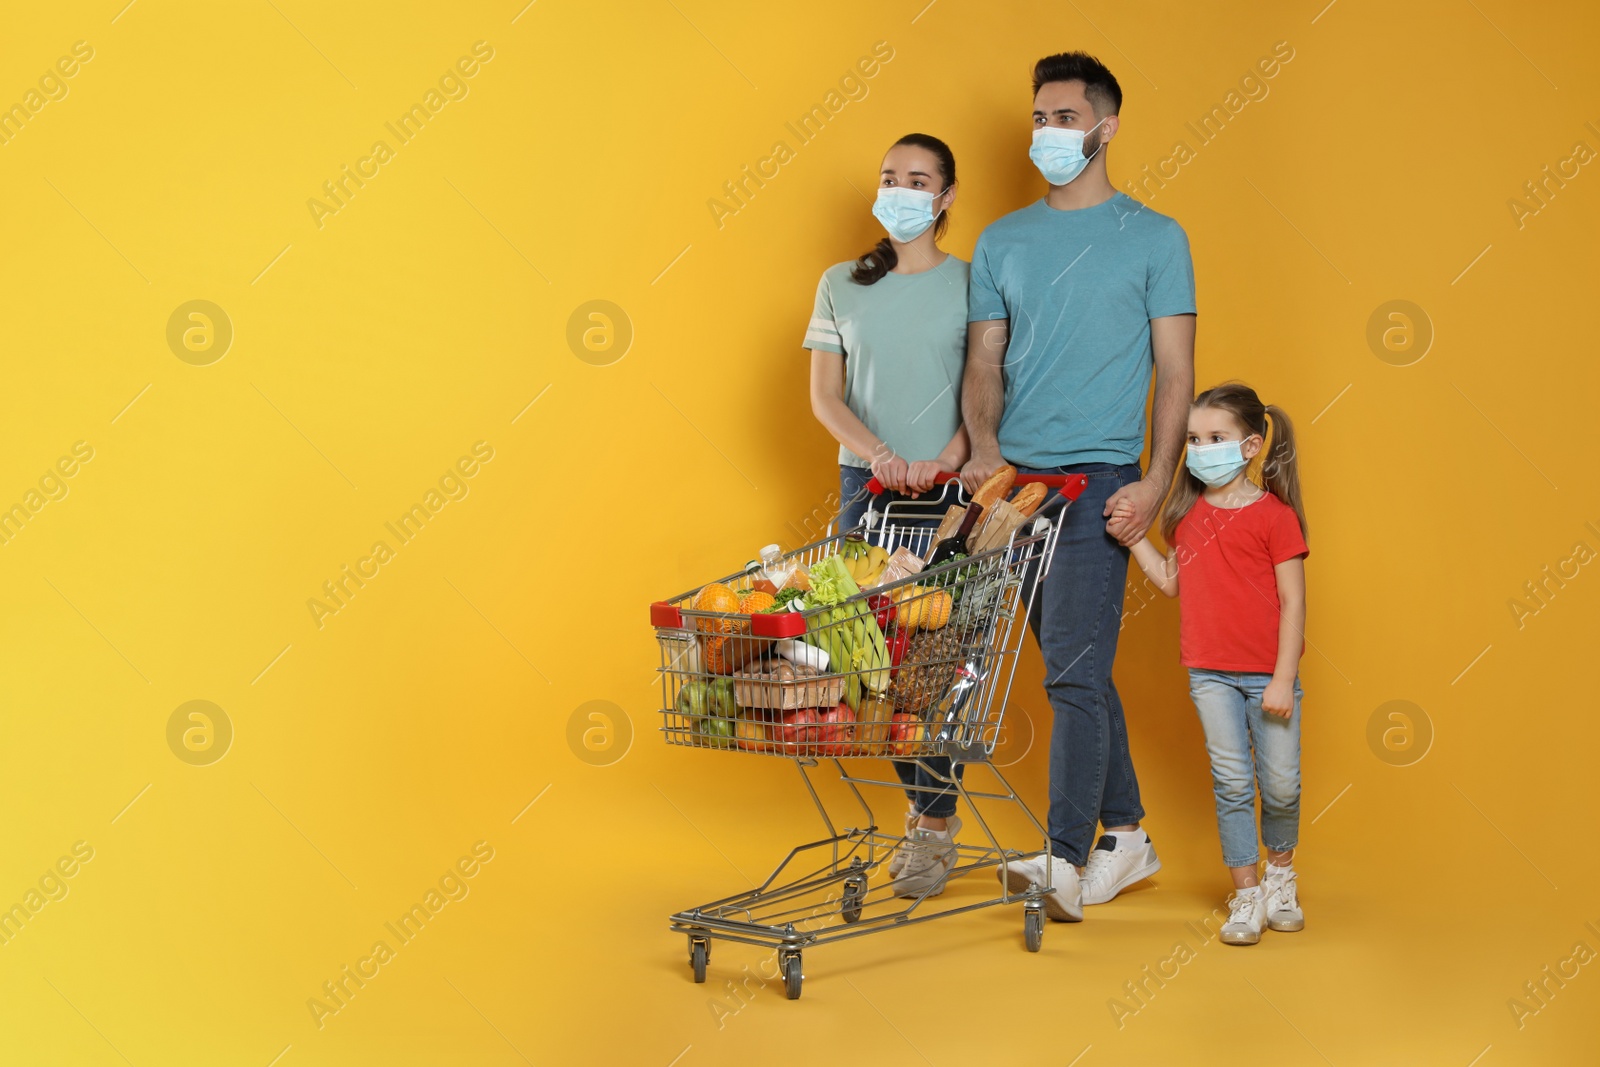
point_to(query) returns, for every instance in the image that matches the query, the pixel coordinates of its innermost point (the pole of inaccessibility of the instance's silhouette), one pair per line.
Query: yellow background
(371, 352)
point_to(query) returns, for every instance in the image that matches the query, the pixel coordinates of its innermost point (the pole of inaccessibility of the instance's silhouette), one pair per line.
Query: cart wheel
(790, 965)
(699, 954)
(1032, 927)
(850, 910)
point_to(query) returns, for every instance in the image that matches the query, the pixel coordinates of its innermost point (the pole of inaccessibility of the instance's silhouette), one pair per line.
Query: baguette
(996, 487)
(1029, 497)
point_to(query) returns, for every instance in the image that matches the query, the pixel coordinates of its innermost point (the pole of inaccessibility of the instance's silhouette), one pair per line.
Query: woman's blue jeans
(928, 795)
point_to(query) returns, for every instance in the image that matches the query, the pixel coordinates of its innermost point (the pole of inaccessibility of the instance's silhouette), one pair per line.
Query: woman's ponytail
(875, 264)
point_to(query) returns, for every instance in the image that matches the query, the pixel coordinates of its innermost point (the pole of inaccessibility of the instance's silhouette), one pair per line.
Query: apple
(837, 731)
(796, 732)
(713, 731)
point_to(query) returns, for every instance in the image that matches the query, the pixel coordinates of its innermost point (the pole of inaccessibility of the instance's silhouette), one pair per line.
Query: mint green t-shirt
(904, 342)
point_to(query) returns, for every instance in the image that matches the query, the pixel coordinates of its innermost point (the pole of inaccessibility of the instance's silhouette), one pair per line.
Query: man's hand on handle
(979, 467)
(1132, 509)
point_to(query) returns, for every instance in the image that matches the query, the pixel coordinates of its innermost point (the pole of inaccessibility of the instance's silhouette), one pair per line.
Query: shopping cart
(814, 685)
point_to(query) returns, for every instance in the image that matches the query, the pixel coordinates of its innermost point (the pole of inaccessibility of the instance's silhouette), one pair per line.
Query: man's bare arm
(1172, 345)
(983, 393)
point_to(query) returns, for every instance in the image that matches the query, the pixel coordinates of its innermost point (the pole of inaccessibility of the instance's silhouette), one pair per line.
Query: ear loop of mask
(1097, 147)
(1255, 472)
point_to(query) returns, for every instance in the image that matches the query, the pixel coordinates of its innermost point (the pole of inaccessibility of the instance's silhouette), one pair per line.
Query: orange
(717, 597)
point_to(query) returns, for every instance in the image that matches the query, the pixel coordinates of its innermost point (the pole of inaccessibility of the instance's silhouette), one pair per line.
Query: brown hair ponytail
(1280, 472)
(1275, 468)
(875, 264)
(882, 259)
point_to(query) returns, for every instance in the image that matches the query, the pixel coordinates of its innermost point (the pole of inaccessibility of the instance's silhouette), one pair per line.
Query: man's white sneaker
(897, 859)
(928, 857)
(1283, 903)
(1114, 865)
(1247, 913)
(1064, 902)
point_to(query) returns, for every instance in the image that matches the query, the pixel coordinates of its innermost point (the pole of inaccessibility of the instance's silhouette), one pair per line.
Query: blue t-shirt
(1079, 288)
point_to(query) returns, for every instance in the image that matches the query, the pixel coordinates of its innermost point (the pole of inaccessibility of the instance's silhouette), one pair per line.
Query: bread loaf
(1029, 497)
(994, 490)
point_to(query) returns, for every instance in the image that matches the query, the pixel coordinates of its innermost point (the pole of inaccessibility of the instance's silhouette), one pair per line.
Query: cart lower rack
(916, 666)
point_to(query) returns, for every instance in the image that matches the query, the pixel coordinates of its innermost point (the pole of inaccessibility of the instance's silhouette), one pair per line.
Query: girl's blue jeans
(1249, 749)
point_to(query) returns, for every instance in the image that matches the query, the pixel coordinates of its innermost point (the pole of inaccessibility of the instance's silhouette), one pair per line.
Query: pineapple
(930, 663)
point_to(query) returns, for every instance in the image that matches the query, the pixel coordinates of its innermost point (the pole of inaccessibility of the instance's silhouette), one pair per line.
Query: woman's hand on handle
(921, 476)
(891, 471)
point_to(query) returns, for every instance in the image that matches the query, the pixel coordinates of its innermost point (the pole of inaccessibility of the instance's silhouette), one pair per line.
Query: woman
(888, 341)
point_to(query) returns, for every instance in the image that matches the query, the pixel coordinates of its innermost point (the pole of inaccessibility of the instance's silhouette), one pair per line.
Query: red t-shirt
(1227, 590)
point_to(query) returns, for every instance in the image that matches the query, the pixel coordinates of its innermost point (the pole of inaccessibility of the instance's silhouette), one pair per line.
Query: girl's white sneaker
(1283, 903)
(1247, 914)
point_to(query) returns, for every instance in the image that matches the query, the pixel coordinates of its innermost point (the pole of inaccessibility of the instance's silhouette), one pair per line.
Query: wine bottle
(956, 542)
(969, 677)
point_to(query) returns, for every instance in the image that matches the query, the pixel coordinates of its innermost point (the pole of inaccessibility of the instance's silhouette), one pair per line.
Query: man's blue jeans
(1076, 617)
(1229, 703)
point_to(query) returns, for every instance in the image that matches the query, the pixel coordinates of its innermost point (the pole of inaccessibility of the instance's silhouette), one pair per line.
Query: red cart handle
(1072, 485)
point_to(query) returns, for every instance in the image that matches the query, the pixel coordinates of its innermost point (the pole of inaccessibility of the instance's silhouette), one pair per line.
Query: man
(1075, 300)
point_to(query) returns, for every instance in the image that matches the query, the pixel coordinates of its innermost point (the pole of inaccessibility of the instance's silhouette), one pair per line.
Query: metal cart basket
(914, 667)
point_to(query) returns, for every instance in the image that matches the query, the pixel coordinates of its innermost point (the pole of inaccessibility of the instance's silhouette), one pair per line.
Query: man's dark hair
(1099, 84)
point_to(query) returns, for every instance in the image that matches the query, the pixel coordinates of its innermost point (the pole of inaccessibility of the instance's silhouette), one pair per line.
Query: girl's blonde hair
(1274, 468)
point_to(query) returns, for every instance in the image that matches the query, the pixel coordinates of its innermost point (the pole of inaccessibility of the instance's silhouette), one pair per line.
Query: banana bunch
(865, 562)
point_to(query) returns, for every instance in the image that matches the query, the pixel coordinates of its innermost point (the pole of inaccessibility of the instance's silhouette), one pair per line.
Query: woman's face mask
(905, 213)
(1058, 153)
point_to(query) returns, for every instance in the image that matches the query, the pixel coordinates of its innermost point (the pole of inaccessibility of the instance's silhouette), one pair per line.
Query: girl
(1236, 528)
(888, 341)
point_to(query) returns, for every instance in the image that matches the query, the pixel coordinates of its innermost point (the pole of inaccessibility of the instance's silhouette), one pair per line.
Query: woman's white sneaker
(1247, 914)
(897, 859)
(1064, 902)
(928, 856)
(1114, 865)
(1283, 902)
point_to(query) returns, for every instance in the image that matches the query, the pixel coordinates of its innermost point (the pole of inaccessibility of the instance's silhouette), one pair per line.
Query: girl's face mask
(1216, 464)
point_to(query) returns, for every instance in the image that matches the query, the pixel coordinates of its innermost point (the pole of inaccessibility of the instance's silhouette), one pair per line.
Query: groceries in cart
(845, 648)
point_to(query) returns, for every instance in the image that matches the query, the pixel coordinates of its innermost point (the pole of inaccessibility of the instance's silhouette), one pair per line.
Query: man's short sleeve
(984, 301)
(823, 333)
(1169, 282)
(1284, 539)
